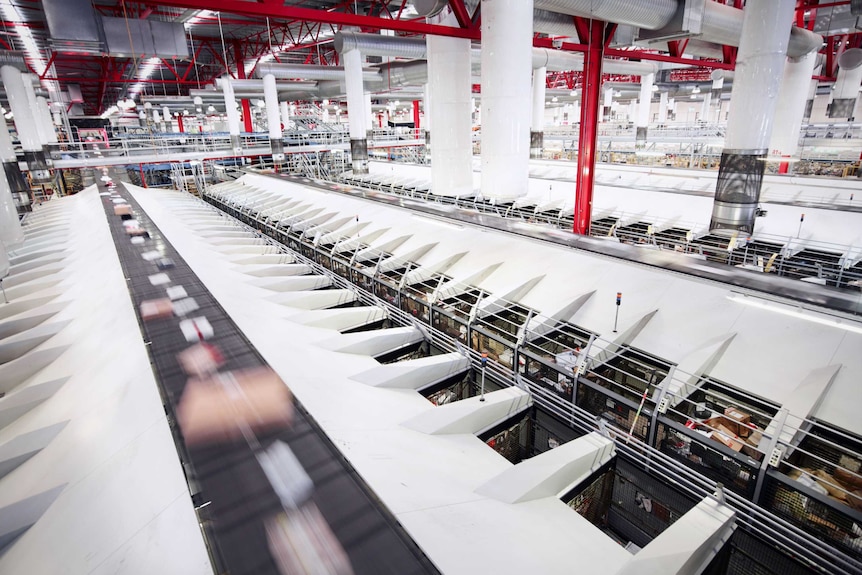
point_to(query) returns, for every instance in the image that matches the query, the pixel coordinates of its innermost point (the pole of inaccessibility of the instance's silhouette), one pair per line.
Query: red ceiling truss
(299, 33)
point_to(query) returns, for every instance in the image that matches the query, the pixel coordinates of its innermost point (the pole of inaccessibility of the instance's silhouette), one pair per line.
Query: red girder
(312, 15)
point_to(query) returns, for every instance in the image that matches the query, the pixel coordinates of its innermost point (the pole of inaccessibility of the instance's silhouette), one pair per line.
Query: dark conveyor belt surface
(235, 498)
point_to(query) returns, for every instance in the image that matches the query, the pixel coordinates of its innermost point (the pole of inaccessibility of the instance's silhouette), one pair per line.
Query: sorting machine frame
(609, 395)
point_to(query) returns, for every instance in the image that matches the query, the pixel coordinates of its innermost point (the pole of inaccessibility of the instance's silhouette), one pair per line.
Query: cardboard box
(123, 210)
(724, 435)
(156, 309)
(217, 409)
(741, 421)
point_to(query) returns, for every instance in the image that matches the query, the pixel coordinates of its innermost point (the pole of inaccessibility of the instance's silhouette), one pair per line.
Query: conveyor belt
(234, 496)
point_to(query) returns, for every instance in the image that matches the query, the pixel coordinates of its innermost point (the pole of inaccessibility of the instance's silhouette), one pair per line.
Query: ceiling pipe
(310, 72)
(721, 24)
(252, 85)
(380, 45)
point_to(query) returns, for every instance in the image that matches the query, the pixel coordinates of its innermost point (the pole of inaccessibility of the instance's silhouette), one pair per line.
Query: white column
(232, 115)
(662, 108)
(44, 117)
(285, 114)
(642, 121)
(426, 104)
(273, 120)
(11, 234)
(369, 114)
(756, 84)
(538, 120)
(451, 113)
(812, 90)
(507, 40)
(607, 103)
(705, 107)
(846, 88)
(791, 105)
(25, 123)
(717, 85)
(352, 60)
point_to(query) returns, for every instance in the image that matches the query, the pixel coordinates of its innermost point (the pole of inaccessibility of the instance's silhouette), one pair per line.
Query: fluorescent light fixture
(144, 72)
(797, 312)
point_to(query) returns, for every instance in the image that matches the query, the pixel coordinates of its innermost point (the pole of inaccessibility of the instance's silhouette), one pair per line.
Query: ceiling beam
(311, 15)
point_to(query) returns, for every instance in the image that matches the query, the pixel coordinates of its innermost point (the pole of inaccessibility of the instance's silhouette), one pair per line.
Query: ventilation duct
(139, 38)
(307, 72)
(429, 8)
(13, 58)
(74, 26)
(379, 45)
(649, 14)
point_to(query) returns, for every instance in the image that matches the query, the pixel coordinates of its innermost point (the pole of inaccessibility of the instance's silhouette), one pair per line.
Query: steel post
(589, 127)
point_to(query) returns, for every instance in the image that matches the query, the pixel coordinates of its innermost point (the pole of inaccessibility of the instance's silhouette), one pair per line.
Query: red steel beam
(461, 13)
(281, 12)
(587, 142)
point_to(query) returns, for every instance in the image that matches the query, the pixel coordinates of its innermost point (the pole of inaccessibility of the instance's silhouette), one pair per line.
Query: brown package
(123, 210)
(132, 231)
(740, 421)
(219, 408)
(830, 484)
(200, 359)
(156, 309)
(848, 478)
(727, 437)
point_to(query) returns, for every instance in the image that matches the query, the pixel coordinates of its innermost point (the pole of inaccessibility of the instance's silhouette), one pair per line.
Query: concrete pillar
(25, 124)
(352, 61)
(538, 120)
(14, 178)
(232, 115)
(759, 67)
(846, 88)
(642, 121)
(507, 56)
(273, 119)
(662, 108)
(449, 86)
(792, 99)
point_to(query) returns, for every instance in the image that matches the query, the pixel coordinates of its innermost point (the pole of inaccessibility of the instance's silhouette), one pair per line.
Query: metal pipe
(760, 64)
(25, 123)
(846, 88)
(232, 116)
(537, 125)
(790, 109)
(380, 45)
(309, 72)
(273, 122)
(353, 75)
